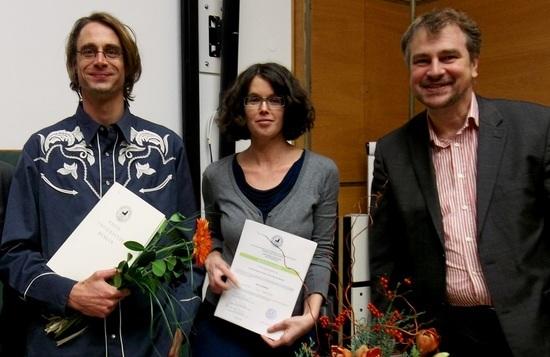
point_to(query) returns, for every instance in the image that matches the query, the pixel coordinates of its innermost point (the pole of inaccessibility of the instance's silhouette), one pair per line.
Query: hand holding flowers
(162, 262)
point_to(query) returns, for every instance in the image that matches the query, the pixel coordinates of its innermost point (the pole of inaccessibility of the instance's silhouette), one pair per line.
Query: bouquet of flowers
(165, 259)
(393, 331)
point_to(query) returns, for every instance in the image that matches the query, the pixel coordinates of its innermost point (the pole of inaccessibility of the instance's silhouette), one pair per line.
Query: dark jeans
(473, 331)
(212, 336)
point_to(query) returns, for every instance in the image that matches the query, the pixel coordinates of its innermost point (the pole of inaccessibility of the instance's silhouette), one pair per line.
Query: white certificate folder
(97, 243)
(270, 266)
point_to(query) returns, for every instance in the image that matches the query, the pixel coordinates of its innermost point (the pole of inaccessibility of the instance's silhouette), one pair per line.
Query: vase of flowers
(392, 331)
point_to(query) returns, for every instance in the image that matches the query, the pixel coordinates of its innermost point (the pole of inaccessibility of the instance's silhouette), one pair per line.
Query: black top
(265, 200)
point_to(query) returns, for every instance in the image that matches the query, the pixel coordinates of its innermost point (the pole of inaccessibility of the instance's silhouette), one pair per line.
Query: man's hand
(94, 296)
(219, 274)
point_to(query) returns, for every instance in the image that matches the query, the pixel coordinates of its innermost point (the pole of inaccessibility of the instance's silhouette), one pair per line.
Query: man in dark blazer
(461, 200)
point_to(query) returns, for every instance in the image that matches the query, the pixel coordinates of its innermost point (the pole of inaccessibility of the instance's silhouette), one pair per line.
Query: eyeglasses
(110, 52)
(273, 102)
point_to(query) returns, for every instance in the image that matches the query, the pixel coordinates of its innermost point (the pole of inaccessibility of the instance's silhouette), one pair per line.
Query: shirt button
(464, 207)
(460, 175)
(106, 154)
(102, 128)
(113, 336)
(457, 145)
(108, 183)
(469, 239)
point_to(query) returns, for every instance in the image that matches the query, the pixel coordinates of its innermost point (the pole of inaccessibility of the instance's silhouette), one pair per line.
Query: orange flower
(364, 351)
(337, 351)
(202, 241)
(427, 341)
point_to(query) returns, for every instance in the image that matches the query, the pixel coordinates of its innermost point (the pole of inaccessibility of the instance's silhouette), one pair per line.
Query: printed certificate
(98, 241)
(270, 266)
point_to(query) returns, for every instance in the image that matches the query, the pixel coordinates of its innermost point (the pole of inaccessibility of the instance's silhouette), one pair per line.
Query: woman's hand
(293, 328)
(296, 326)
(219, 274)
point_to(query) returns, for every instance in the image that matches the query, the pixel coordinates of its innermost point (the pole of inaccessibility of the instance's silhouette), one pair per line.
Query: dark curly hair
(130, 53)
(298, 116)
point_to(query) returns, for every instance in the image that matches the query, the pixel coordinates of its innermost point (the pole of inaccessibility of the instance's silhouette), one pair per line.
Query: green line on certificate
(268, 263)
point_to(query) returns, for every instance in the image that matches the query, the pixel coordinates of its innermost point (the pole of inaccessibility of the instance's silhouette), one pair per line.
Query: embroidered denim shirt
(63, 172)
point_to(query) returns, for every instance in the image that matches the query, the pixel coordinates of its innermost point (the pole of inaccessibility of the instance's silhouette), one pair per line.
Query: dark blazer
(513, 217)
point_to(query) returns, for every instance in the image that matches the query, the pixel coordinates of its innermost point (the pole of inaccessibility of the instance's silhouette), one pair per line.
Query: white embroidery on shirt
(62, 190)
(69, 170)
(70, 137)
(72, 146)
(159, 187)
(144, 169)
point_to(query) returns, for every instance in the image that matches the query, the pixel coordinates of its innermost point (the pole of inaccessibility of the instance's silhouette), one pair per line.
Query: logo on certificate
(124, 213)
(271, 314)
(277, 241)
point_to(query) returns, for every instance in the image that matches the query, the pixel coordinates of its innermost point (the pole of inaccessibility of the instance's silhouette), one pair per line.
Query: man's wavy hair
(435, 21)
(130, 53)
(299, 113)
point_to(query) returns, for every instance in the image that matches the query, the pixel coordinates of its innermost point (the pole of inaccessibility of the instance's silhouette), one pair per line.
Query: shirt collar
(471, 118)
(473, 113)
(89, 127)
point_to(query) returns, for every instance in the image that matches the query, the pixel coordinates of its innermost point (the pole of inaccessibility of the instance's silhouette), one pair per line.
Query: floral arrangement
(394, 331)
(165, 259)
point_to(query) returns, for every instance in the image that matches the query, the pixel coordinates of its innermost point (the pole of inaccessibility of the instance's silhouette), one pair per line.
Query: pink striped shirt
(455, 171)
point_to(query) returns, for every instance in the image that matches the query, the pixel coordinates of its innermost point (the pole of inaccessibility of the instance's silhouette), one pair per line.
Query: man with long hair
(64, 171)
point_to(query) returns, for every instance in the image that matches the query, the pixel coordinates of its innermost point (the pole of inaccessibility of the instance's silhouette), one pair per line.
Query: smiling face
(99, 77)
(263, 121)
(442, 73)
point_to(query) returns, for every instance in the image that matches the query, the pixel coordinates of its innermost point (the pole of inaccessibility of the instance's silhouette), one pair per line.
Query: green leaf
(122, 265)
(170, 262)
(135, 246)
(150, 283)
(117, 280)
(159, 267)
(177, 217)
(162, 226)
(145, 258)
(183, 229)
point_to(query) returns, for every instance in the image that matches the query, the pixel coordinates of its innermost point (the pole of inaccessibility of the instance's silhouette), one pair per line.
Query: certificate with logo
(270, 266)
(98, 241)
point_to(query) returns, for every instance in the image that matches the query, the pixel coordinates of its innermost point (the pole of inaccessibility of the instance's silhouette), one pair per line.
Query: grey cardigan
(309, 211)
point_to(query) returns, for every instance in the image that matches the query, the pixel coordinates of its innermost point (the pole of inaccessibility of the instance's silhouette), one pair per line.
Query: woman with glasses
(274, 183)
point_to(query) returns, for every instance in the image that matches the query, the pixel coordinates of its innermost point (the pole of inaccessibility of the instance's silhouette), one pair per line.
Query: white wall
(265, 35)
(35, 87)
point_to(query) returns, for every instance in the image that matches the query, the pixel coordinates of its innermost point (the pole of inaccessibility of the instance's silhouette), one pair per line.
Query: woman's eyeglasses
(273, 102)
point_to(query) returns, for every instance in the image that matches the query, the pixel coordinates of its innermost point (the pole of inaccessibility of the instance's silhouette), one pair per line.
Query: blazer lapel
(419, 146)
(491, 139)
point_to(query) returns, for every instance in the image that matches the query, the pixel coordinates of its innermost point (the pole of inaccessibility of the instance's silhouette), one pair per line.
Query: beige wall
(359, 81)
(515, 53)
